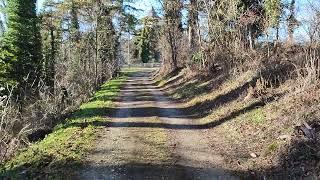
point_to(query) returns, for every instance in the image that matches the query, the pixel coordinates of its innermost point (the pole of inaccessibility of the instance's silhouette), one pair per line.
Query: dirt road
(150, 138)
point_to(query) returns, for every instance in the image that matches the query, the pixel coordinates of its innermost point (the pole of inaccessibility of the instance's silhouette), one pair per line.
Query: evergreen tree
(144, 44)
(273, 10)
(51, 34)
(106, 40)
(147, 38)
(21, 48)
(2, 16)
(75, 27)
(2, 28)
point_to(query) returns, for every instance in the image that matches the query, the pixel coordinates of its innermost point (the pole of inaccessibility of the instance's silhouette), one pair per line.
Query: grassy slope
(69, 142)
(248, 124)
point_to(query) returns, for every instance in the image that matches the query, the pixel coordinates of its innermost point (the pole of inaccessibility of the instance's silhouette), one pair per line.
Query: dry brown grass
(289, 96)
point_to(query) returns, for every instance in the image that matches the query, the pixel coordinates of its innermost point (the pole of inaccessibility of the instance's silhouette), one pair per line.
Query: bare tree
(193, 26)
(172, 30)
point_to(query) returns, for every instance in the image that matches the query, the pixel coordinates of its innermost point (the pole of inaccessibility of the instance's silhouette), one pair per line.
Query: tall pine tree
(21, 48)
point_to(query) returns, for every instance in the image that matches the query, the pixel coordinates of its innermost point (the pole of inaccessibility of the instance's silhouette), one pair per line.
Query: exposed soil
(150, 138)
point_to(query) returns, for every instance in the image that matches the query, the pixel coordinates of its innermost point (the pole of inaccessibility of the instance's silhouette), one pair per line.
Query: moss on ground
(271, 148)
(69, 142)
(257, 116)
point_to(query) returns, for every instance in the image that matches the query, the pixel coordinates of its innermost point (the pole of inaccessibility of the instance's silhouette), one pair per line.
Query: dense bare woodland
(242, 75)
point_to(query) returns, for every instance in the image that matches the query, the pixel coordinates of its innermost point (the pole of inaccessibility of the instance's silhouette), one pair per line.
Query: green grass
(189, 90)
(257, 116)
(272, 148)
(68, 143)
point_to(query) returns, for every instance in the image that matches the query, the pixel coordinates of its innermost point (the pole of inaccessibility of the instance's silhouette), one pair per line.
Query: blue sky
(40, 2)
(303, 13)
(144, 5)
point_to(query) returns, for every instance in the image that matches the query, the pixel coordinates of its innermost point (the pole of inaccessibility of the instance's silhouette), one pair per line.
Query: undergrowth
(67, 145)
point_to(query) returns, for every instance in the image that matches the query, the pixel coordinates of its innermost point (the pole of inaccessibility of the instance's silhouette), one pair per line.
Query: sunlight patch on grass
(257, 116)
(225, 88)
(186, 91)
(161, 83)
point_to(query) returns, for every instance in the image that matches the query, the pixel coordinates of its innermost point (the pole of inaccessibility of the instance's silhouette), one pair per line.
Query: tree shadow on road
(155, 172)
(137, 171)
(154, 111)
(134, 171)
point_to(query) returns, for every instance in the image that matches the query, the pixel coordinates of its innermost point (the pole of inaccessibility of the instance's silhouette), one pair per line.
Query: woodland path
(149, 138)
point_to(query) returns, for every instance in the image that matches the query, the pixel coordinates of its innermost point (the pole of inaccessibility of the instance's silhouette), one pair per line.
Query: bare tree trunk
(52, 61)
(96, 49)
(129, 49)
(193, 23)
(173, 29)
(292, 23)
(250, 36)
